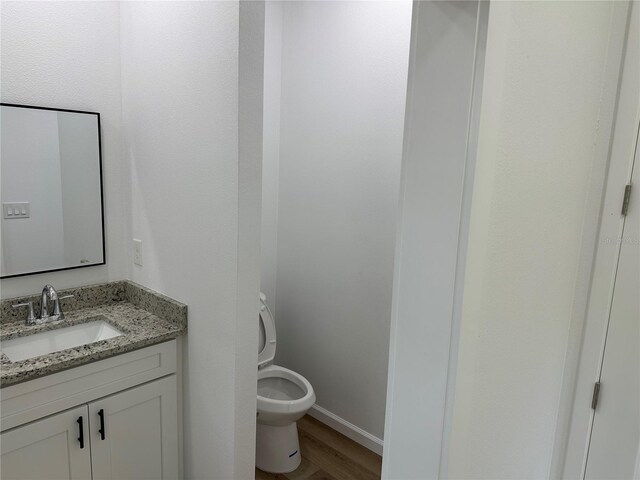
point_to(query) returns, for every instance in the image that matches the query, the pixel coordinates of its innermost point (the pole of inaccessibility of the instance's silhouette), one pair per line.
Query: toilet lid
(267, 339)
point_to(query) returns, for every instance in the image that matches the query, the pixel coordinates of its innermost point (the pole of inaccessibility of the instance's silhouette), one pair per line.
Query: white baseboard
(346, 428)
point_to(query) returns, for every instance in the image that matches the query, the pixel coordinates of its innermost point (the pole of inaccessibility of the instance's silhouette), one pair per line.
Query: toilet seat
(267, 340)
(275, 405)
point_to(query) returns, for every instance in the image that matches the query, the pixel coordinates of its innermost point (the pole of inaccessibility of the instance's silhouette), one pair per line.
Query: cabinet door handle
(101, 431)
(81, 428)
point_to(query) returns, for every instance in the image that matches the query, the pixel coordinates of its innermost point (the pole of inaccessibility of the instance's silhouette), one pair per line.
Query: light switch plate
(15, 210)
(137, 251)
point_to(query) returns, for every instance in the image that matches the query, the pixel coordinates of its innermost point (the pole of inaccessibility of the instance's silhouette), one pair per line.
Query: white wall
(271, 149)
(181, 99)
(446, 62)
(343, 88)
(544, 77)
(67, 55)
(250, 145)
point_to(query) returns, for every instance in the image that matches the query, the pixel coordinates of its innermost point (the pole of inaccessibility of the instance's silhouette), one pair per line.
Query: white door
(134, 434)
(614, 451)
(56, 447)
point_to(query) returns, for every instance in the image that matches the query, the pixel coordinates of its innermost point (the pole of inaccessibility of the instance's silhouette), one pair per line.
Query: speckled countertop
(144, 316)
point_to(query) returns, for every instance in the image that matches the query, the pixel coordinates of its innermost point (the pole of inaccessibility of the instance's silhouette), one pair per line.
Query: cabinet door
(134, 434)
(48, 448)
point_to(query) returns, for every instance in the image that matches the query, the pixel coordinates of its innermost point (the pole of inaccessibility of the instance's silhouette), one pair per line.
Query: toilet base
(277, 448)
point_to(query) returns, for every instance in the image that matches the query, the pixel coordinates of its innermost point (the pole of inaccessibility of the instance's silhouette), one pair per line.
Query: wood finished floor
(329, 455)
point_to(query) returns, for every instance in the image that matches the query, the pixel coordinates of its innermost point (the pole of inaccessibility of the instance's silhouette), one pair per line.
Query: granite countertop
(145, 317)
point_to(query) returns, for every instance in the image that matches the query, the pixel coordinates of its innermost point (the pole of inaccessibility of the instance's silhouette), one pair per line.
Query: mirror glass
(51, 190)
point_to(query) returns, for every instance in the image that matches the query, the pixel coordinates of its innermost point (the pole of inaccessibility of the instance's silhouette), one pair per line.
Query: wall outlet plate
(15, 210)
(137, 251)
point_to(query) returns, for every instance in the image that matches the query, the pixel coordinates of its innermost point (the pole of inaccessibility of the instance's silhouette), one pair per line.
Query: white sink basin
(21, 348)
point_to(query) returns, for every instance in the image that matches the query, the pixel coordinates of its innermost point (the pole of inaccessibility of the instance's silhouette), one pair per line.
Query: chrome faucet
(48, 293)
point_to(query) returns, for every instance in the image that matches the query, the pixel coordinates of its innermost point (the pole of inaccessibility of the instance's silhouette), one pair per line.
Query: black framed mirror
(51, 190)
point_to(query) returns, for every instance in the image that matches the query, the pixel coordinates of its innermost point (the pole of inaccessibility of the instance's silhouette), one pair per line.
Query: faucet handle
(31, 318)
(57, 311)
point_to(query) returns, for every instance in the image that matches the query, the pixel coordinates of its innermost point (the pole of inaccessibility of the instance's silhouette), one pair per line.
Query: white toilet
(284, 397)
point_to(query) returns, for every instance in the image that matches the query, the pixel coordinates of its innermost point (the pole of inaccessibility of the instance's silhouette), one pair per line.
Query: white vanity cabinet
(134, 434)
(47, 448)
(131, 432)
